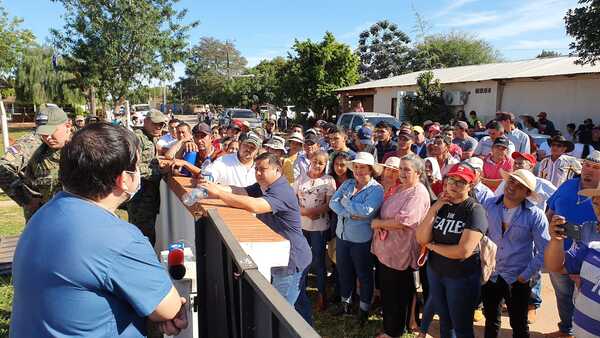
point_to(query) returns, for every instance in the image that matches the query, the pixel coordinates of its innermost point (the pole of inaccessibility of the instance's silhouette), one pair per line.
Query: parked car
(244, 115)
(350, 121)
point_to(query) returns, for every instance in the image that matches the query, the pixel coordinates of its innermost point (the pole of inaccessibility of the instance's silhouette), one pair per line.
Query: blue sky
(263, 29)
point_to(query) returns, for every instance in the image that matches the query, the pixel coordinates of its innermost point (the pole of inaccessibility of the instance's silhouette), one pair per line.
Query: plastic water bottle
(207, 174)
(194, 196)
(189, 157)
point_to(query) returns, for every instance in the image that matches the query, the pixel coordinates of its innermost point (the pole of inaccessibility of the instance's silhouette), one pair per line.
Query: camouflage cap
(48, 119)
(156, 116)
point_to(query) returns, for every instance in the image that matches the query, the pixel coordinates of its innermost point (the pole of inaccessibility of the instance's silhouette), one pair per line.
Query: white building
(566, 91)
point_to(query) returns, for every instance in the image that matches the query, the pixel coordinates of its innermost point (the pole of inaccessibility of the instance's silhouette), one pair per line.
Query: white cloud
(471, 18)
(451, 7)
(559, 44)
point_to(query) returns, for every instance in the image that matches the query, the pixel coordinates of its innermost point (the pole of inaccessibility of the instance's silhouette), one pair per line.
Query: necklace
(579, 200)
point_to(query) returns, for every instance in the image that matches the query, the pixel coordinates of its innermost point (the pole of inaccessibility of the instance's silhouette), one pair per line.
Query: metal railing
(234, 299)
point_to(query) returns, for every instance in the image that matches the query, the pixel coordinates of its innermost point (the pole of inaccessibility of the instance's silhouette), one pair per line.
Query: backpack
(487, 255)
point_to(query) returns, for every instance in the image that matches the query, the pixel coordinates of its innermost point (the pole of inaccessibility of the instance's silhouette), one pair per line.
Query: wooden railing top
(244, 225)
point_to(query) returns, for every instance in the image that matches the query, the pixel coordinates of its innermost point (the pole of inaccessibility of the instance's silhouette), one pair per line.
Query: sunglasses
(456, 181)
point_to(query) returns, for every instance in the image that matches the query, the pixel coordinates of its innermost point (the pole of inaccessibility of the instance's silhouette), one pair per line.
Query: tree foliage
(13, 41)
(316, 70)
(452, 50)
(37, 82)
(118, 44)
(583, 24)
(547, 54)
(428, 103)
(383, 51)
(214, 56)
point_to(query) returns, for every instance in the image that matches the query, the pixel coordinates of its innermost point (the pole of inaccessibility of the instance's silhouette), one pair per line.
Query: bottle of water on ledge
(194, 196)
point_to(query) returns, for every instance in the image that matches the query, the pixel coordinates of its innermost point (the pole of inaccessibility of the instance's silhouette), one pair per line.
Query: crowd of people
(376, 214)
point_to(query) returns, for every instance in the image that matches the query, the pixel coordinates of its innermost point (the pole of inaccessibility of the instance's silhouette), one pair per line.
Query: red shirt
(491, 169)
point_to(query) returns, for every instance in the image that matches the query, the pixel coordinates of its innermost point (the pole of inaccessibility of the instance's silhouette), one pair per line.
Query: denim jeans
(317, 242)
(454, 299)
(303, 304)
(535, 298)
(288, 285)
(355, 260)
(563, 288)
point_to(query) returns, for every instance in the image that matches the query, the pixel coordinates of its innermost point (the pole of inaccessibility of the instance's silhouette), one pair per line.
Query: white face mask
(135, 173)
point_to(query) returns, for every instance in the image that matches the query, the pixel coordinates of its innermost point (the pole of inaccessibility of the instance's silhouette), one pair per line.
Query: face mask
(138, 186)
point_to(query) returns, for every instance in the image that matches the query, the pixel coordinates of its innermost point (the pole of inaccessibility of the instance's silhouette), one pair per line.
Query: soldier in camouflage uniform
(37, 181)
(12, 166)
(143, 207)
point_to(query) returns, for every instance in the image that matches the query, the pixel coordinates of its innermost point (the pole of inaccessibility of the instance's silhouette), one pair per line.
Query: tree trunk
(92, 97)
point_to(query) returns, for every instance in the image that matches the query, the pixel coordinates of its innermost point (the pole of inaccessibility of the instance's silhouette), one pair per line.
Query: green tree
(214, 56)
(315, 70)
(547, 54)
(452, 50)
(583, 24)
(428, 103)
(119, 44)
(383, 51)
(267, 81)
(13, 41)
(37, 82)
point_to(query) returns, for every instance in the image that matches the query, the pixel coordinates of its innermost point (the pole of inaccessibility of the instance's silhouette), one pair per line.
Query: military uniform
(145, 204)
(12, 169)
(41, 175)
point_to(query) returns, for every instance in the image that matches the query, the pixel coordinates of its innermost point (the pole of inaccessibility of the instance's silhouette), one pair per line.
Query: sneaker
(478, 315)
(531, 315)
(558, 334)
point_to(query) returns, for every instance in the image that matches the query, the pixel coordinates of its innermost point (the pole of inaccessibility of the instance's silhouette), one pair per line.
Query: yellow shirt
(288, 167)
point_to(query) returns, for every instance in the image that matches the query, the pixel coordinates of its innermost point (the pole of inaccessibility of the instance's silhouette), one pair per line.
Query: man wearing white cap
(276, 146)
(295, 142)
(516, 226)
(482, 192)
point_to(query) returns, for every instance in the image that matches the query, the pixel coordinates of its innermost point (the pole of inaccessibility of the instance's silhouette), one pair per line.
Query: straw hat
(527, 179)
(392, 162)
(368, 159)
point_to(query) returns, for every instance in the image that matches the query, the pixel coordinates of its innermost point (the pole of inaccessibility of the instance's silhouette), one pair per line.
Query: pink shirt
(398, 249)
(491, 169)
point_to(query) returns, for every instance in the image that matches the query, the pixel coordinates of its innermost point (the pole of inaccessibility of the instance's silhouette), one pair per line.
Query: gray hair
(416, 162)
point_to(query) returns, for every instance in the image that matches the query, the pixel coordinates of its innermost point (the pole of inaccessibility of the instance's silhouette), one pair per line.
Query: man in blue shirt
(515, 225)
(575, 209)
(274, 202)
(78, 269)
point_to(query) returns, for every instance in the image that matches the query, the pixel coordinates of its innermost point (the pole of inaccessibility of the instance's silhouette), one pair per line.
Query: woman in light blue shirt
(356, 203)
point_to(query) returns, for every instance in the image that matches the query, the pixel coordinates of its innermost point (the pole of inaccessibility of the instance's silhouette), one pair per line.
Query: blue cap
(365, 135)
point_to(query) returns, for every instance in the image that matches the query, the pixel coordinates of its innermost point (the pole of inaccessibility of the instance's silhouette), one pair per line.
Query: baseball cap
(296, 137)
(475, 163)
(201, 128)
(434, 127)
(365, 135)
(462, 171)
(156, 116)
(48, 119)
(235, 124)
(526, 156)
(311, 138)
(275, 142)
(254, 139)
(406, 132)
(501, 141)
(462, 125)
(418, 129)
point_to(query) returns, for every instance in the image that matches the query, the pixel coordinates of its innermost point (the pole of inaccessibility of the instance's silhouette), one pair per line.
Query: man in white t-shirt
(167, 140)
(237, 169)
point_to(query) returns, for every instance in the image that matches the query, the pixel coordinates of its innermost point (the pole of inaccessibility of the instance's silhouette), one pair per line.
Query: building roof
(563, 65)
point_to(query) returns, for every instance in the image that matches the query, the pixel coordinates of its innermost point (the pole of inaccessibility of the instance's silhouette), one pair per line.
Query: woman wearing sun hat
(394, 242)
(356, 203)
(451, 231)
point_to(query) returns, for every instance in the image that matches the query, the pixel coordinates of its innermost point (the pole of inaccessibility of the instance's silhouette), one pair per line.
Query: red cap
(515, 155)
(434, 127)
(463, 172)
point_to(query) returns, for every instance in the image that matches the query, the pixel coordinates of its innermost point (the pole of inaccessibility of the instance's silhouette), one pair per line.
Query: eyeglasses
(457, 182)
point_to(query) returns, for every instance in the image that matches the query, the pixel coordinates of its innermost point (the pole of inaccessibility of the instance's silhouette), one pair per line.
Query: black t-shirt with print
(448, 226)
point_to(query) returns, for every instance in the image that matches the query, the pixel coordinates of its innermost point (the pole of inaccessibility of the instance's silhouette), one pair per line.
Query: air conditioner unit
(455, 98)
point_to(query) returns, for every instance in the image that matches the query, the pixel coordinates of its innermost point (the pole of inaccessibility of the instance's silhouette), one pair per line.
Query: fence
(234, 299)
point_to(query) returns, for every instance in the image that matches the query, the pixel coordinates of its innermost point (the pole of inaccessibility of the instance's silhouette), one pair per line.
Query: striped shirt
(558, 171)
(583, 258)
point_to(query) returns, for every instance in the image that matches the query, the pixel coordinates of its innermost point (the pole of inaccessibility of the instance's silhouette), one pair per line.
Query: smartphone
(572, 231)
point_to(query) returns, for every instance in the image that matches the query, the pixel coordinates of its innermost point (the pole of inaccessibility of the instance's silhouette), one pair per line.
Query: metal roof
(563, 65)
